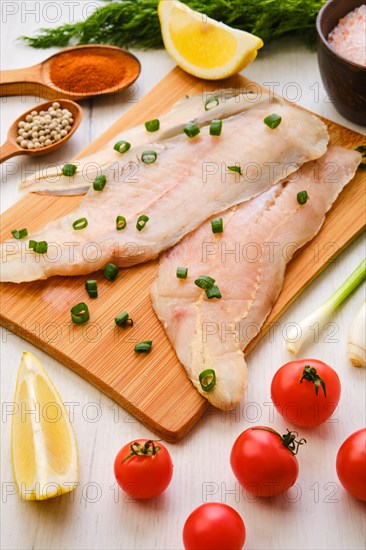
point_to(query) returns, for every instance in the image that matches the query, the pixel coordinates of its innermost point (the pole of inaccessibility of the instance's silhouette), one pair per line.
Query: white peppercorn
(42, 128)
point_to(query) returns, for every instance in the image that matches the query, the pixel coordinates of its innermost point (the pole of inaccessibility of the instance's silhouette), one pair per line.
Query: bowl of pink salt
(341, 30)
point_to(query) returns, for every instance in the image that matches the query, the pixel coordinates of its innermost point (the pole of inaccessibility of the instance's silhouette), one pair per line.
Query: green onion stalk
(135, 23)
(322, 314)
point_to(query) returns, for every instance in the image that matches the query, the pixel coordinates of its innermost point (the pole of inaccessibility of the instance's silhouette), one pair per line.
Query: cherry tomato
(351, 464)
(306, 392)
(214, 526)
(143, 468)
(264, 462)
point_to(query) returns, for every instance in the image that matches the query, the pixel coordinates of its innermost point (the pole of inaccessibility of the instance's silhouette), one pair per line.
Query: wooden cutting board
(154, 387)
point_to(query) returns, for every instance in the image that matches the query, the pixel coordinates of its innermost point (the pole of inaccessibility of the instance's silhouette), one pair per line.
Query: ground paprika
(90, 71)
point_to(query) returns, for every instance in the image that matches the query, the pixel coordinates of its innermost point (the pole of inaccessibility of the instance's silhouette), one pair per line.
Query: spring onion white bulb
(298, 334)
(357, 338)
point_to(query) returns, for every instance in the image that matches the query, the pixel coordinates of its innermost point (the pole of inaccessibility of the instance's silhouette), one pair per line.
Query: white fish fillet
(248, 262)
(189, 182)
(51, 180)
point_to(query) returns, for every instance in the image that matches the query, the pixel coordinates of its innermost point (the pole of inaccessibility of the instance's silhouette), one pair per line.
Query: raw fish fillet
(189, 182)
(248, 262)
(50, 179)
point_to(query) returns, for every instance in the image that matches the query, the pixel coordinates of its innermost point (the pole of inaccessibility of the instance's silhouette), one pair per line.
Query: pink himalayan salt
(348, 38)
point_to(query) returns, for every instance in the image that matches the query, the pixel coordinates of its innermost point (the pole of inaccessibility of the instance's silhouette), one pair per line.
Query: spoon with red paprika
(74, 73)
(11, 147)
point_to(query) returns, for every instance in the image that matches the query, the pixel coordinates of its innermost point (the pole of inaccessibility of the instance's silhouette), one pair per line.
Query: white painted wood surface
(317, 513)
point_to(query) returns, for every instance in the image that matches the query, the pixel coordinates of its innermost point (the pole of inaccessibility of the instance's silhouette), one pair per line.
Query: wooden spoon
(36, 80)
(11, 148)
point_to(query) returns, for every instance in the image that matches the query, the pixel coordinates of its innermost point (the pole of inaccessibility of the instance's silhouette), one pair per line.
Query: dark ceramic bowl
(344, 81)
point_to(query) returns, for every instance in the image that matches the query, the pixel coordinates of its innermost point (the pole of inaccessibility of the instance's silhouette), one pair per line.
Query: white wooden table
(317, 513)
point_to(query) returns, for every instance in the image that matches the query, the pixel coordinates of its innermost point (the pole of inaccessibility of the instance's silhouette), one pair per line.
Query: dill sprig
(135, 23)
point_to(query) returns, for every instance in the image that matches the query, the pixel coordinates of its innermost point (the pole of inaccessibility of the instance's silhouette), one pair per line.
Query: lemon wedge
(43, 445)
(202, 46)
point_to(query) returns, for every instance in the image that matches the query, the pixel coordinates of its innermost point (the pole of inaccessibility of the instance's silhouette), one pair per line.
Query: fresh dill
(135, 23)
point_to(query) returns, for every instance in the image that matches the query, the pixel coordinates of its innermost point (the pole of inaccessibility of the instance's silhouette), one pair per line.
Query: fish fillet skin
(51, 181)
(189, 182)
(248, 262)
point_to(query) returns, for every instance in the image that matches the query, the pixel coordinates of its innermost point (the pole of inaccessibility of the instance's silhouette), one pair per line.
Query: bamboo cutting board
(152, 387)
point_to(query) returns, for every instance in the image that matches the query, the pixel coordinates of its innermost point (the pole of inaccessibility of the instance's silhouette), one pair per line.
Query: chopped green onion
(211, 103)
(299, 333)
(40, 247)
(215, 128)
(213, 292)
(122, 146)
(99, 183)
(19, 234)
(69, 169)
(141, 222)
(182, 272)
(148, 157)
(361, 149)
(91, 288)
(235, 169)
(110, 271)
(302, 197)
(272, 121)
(152, 125)
(120, 223)
(143, 347)
(191, 129)
(204, 281)
(207, 379)
(80, 313)
(217, 225)
(81, 223)
(123, 319)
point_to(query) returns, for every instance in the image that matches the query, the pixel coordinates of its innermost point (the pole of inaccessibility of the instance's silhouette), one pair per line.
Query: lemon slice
(202, 46)
(43, 445)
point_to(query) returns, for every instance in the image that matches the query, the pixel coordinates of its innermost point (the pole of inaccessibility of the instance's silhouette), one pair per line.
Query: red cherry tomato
(351, 464)
(264, 462)
(214, 526)
(306, 392)
(143, 468)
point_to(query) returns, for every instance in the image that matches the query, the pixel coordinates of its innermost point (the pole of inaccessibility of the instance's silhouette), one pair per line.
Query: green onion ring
(120, 223)
(141, 222)
(215, 128)
(210, 100)
(204, 281)
(217, 225)
(302, 197)
(99, 183)
(152, 125)
(182, 272)
(123, 319)
(81, 223)
(80, 313)
(122, 146)
(272, 121)
(148, 157)
(19, 234)
(213, 292)
(143, 347)
(207, 379)
(110, 271)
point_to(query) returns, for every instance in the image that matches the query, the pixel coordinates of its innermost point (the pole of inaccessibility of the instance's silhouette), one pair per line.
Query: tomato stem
(147, 449)
(310, 373)
(288, 440)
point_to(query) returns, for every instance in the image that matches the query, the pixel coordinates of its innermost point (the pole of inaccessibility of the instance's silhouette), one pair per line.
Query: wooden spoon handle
(8, 150)
(26, 81)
